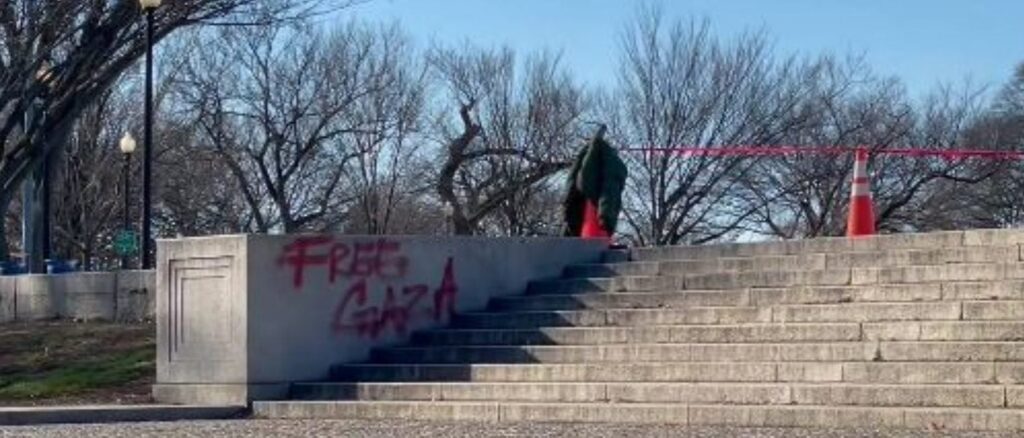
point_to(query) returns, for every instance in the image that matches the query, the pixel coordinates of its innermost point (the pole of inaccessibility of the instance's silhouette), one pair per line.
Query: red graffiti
(376, 299)
(295, 254)
(353, 314)
(444, 297)
(381, 259)
(375, 259)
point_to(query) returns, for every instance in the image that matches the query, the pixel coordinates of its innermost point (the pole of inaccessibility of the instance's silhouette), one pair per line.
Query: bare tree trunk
(5, 206)
(456, 155)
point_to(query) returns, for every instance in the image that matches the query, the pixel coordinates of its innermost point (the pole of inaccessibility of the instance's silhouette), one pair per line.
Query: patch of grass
(100, 371)
(66, 362)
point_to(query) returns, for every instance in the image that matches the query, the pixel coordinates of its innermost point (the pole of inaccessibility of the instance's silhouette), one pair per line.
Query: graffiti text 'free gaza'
(377, 299)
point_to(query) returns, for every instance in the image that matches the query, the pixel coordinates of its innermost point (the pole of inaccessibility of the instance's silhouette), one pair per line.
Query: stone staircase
(921, 331)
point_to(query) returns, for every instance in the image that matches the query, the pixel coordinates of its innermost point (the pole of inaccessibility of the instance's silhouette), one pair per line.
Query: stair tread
(650, 363)
(759, 415)
(681, 384)
(922, 265)
(1016, 344)
(788, 305)
(727, 326)
(267, 402)
(655, 291)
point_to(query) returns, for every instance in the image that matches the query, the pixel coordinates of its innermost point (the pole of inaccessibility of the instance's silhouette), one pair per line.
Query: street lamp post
(127, 145)
(148, 7)
(45, 77)
(36, 189)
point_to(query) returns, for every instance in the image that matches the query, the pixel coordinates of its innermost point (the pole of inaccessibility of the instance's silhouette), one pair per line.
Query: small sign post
(126, 244)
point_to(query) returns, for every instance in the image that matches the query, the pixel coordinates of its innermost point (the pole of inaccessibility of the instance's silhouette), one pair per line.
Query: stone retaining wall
(242, 317)
(111, 296)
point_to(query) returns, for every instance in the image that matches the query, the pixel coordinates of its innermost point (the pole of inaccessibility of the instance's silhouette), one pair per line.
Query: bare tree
(515, 129)
(58, 57)
(196, 192)
(89, 183)
(998, 201)
(392, 172)
(680, 86)
(916, 194)
(532, 211)
(288, 110)
(807, 195)
(1010, 101)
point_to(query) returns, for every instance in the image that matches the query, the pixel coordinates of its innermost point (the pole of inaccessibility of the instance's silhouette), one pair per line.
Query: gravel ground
(396, 429)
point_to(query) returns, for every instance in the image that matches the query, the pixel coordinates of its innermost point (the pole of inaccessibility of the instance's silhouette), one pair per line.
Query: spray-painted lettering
(376, 299)
(382, 258)
(399, 306)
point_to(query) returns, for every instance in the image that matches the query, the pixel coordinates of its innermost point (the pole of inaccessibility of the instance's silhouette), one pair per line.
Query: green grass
(113, 370)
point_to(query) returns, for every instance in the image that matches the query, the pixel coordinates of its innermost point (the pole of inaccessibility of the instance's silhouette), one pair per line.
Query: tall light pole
(127, 146)
(148, 7)
(44, 76)
(28, 214)
(35, 191)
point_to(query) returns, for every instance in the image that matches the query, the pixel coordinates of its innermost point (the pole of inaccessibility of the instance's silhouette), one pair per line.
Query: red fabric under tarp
(592, 228)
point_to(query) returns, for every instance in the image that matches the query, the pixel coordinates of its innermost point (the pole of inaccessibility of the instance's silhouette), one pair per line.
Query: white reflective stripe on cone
(860, 169)
(861, 190)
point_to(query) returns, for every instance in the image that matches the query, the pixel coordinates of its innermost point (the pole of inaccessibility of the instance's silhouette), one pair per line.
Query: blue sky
(925, 42)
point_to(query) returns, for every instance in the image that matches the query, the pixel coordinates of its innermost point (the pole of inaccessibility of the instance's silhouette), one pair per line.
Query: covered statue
(596, 183)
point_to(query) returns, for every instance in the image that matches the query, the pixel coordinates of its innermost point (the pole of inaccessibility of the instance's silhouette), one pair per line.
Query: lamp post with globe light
(127, 145)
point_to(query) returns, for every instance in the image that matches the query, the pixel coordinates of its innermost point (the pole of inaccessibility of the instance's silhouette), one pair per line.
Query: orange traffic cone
(592, 228)
(862, 211)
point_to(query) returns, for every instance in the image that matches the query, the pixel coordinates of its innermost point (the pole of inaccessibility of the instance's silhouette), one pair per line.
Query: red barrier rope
(755, 151)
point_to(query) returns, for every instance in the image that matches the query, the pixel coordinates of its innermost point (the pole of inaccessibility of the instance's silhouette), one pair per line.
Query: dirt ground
(64, 362)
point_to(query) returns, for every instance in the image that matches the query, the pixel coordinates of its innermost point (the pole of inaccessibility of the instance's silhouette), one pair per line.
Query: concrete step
(845, 312)
(846, 260)
(935, 291)
(939, 273)
(1011, 373)
(882, 243)
(607, 372)
(994, 310)
(939, 291)
(611, 284)
(766, 279)
(968, 272)
(917, 257)
(1012, 310)
(951, 351)
(832, 394)
(867, 312)
(621, 300)
(693, 352)
(743, 264)
(954, 330)
(648, 334)
(616, 256)
(945, 331)
(880, 351)
(605, 270)
(612, 317)
(929, 419)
